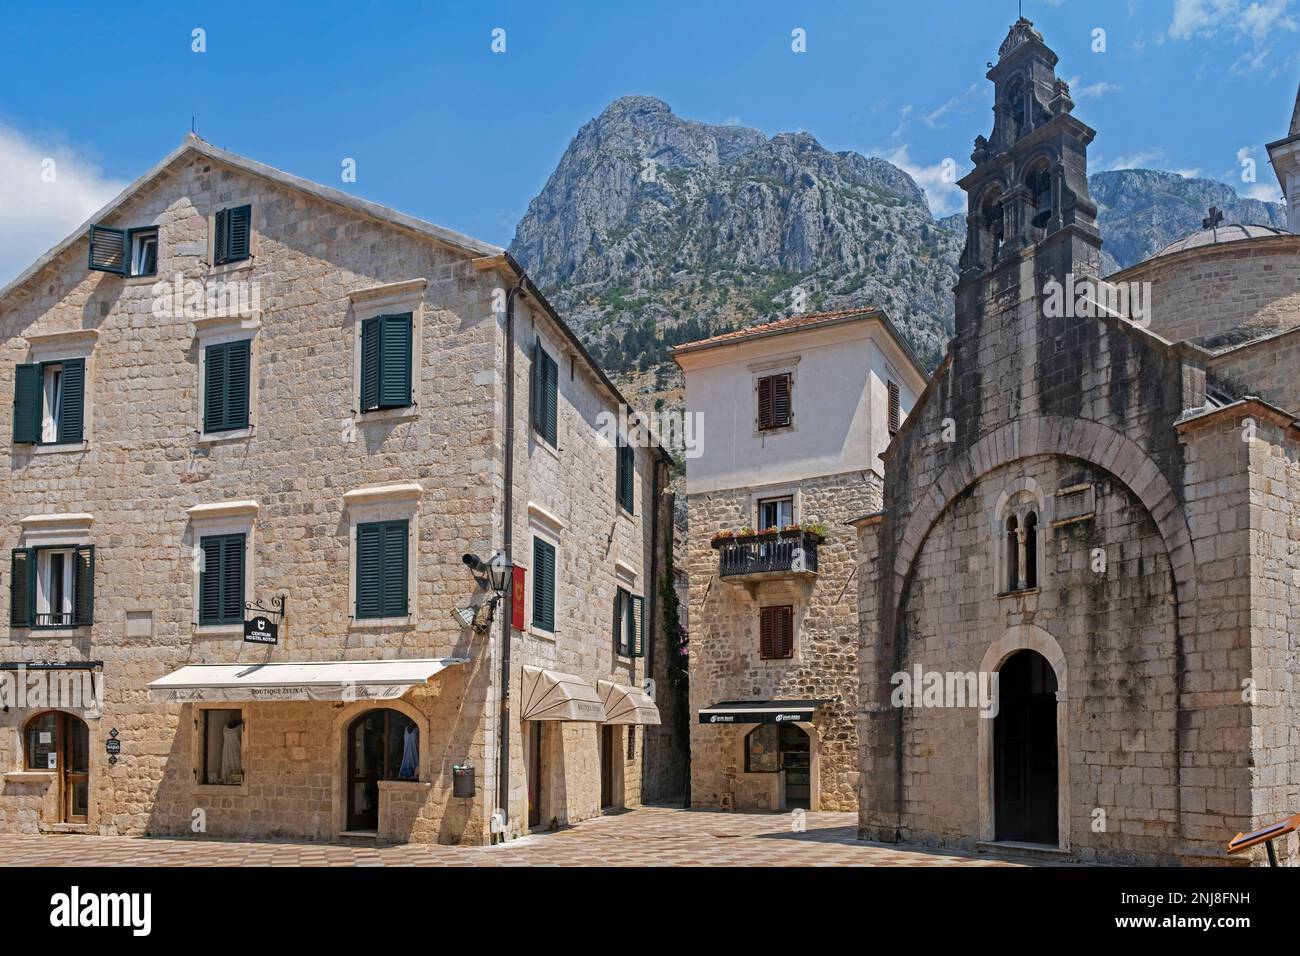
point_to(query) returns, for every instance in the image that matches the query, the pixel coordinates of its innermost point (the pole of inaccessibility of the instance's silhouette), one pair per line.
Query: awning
(760, 712)
(626, 705)
(550, 695)
(305, 680)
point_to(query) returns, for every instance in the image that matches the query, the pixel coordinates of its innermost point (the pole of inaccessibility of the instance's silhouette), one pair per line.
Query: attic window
(233, 228)
(124, 252)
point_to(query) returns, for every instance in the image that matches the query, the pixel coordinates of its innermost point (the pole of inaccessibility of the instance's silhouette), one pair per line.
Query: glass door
(796, 761)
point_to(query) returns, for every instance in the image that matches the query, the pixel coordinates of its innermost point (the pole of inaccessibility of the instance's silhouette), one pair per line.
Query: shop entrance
(534, 774)
(608, 758)
(1024, 754)
(796, 761)
(61, 742)
(382, 745)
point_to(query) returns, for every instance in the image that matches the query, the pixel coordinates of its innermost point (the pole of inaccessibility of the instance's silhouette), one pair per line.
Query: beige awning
(550, 695)
(626, 705)
(306, 680)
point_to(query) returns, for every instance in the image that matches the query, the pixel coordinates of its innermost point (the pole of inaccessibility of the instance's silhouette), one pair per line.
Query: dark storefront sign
(760, 712)
(261, 630)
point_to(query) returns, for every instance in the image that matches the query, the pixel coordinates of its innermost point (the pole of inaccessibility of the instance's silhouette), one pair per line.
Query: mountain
(655, 230)
(656, 224)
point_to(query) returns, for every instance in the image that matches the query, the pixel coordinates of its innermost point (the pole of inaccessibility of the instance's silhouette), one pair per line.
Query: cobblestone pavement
(651, 836)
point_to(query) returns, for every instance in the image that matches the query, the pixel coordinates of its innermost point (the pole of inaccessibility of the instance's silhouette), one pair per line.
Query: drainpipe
(503, 754)
(655, 492)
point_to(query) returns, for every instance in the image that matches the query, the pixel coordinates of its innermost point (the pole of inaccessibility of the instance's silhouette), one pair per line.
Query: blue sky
(446, 129)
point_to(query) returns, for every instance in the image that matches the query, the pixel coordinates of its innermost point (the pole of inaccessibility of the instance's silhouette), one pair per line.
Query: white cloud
(939, 180)
(1255, 19)
(38, 214)
(1081, 91)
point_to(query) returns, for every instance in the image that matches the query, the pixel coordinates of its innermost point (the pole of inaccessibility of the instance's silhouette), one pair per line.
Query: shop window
(223, 747)
(762, 749)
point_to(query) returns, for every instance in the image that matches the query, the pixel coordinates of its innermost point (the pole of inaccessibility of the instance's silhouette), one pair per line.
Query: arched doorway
(1025, 778)
(382, 744)
(787, 749)
(60, 742)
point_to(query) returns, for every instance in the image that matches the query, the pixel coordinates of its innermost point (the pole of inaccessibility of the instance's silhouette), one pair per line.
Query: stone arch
(1027, 637)
(1087, 441)
(343, 720)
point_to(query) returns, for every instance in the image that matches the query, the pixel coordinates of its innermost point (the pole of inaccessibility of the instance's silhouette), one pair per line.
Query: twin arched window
(1019, 565)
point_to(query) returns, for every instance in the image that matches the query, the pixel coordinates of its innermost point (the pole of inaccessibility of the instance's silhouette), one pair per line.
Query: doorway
(382, 745)
(1025, 782)
(608, 756)
(61, 742)
(534, 774)
(796, 760)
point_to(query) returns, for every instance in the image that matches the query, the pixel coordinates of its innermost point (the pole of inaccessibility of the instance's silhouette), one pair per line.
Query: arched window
(1013, 554)
(994, 229)
(1015, 105)
(1039, 184)
(382, 744)
(1031, 550)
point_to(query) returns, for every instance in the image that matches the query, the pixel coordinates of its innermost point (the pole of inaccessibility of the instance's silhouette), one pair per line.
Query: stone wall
(724, 651)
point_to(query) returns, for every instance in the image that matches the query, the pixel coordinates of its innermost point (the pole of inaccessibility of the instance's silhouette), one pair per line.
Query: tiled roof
(787, 324)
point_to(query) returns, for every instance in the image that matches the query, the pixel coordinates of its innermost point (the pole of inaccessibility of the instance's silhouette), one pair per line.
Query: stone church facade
(1101, 510)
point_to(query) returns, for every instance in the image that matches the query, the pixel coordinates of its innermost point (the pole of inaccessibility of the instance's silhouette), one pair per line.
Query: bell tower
(1030, 181)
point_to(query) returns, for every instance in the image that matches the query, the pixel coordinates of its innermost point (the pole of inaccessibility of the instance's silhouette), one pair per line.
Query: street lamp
(493, 573)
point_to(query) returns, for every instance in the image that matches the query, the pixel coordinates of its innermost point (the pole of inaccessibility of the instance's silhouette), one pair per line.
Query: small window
(144, 251)
(221, 579)
(775, 513)
(625, 483)
(545, 395)
(386, 362)
(108, 250)
(382, 559)
(226, 386)
(1031, 550)
(774, 401)
(1013, 554)
(50, 402)
(223, 747)
(776, 633)
(895, 408)
(52, 587)
(763, 749)
(232, 242)
(629, 623)
(543, 584)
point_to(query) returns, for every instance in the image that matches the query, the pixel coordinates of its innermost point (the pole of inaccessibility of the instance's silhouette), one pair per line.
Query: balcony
(772, 554)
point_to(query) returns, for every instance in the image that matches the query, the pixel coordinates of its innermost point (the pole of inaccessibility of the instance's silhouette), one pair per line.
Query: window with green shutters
(625, 481)
(386, 362)
(50, 402)
(543, 584)
(226, 386)
(233, 239)
(52, 586)
(545, 393)
(382, 589)
(629, 623)
(221, 579)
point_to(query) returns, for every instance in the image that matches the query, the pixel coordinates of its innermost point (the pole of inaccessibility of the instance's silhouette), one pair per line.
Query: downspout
(503, 753)
(655, 492)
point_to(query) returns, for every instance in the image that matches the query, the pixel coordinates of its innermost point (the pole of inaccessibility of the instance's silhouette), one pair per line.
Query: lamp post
(496, 574)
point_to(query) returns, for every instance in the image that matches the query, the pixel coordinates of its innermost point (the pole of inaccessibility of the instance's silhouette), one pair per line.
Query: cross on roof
(1213, 219)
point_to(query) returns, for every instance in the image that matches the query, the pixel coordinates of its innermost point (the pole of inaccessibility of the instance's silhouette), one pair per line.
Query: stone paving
(650, 836)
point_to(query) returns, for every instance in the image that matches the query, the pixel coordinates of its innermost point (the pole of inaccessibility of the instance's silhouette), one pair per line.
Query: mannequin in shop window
(232, 768)
(410, 767)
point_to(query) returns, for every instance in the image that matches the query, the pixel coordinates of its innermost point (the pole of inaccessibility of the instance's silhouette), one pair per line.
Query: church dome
(1218, 236)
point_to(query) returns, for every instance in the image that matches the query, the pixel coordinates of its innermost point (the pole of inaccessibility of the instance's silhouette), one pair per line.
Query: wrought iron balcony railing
(789, 552)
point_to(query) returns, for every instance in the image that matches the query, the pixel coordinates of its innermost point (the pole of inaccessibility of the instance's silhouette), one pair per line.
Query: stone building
(792, 417)
(236, 389)
(1096, 501)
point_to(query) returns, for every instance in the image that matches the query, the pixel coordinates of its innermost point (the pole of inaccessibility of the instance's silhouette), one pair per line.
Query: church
(1096, 513)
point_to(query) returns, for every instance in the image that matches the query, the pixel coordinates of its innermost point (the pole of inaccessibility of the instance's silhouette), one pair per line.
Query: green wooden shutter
(535, 387)
(239, 223)
(22, 587)
(370, 544)
(543, 585)
(219, 241)
(108, 250)
(637, 621)
(395, 361)
(232, 578)
(551, 399)
(72, 401)
(237, 381)
(369, 365)
(83, 586)
(394, 569)
(210, 581)
(214, 389)
(626, 483)
(27, 404)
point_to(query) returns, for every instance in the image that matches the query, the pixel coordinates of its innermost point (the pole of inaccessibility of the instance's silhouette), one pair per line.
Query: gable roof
(192, 144)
